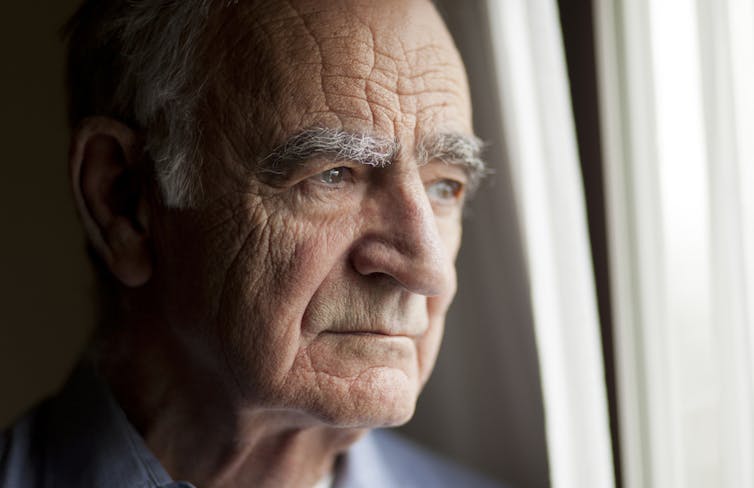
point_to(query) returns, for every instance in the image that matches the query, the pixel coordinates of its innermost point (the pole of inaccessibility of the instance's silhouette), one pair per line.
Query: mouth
(375, 333)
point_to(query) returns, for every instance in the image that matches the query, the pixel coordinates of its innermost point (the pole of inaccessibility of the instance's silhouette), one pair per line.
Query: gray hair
(138, 61)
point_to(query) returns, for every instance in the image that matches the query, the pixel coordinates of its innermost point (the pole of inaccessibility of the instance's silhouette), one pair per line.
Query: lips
(382, 330)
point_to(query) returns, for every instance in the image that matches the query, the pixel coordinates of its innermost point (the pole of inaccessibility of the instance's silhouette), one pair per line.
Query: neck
(262, 450)
(200, 433)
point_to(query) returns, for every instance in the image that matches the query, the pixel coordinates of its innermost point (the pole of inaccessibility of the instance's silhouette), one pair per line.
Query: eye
(333, 176)
(445, 192)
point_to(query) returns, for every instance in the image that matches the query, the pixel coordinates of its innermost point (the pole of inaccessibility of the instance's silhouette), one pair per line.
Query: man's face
(319, 283)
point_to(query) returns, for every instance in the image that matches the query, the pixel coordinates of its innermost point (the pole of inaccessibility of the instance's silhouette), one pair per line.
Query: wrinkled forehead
(387, 67)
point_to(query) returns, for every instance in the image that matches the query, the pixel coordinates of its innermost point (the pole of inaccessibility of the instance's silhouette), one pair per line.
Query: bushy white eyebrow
(457, 149)
(340, 145)
(337, 144)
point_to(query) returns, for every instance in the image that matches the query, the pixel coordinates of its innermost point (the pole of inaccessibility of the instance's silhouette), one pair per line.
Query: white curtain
(539, 132)
(677, 97)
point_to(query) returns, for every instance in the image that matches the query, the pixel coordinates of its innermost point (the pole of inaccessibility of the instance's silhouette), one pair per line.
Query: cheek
(428, 347)
(268, 288)
(437, 307)
(450, 230)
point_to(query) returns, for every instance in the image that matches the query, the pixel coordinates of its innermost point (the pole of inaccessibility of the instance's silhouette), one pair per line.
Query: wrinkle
(341, 76)
(401, 108)
(226, 348)
(430, 91)
(351, 41)
(349, 97)
(318, 46)
(373, 49)
(432, 106)
(434, 71)
(390, 90)
(337, 66)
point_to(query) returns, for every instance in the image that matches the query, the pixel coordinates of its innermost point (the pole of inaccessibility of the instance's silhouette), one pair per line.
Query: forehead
(387, 67)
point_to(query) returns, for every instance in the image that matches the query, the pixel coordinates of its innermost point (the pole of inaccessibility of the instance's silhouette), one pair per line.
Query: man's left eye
(445, 191)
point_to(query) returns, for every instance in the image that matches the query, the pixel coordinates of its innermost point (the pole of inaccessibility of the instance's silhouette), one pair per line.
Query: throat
(305, 457)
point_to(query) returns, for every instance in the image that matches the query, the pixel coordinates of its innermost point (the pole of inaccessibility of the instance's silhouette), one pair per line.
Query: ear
(109, 189)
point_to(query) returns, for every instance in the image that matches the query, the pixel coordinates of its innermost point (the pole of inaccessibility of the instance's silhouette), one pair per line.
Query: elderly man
(272, 192)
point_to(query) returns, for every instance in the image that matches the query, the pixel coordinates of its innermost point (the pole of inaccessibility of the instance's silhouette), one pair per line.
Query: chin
(384, 397)
(379, 397)
(355, 381)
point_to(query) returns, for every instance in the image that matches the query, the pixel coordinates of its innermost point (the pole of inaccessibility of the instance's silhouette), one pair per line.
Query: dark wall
(44, 278)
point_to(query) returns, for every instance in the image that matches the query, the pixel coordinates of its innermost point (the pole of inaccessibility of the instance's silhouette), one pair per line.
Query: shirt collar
(363, 466)
(94, 444)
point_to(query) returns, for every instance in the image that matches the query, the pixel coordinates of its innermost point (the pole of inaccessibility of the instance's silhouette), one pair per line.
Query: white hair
(139, 61)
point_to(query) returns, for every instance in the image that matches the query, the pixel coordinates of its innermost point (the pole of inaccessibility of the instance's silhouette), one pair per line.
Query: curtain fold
(539, 132)
(676, 82)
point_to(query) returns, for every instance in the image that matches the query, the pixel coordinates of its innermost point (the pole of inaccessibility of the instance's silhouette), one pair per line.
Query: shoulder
(20, 452)
(383, 458)
(77, 438)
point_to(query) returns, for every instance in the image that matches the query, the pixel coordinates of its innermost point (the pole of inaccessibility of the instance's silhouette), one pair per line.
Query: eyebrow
(379, 152)
(456, 149)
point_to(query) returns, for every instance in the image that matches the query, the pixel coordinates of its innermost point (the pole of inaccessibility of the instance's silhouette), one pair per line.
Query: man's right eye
(333, 176)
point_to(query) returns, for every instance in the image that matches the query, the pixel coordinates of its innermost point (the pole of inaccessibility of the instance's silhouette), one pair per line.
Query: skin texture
(258, 334)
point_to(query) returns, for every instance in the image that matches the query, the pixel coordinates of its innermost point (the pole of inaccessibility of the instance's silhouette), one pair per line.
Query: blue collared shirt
(82, 438)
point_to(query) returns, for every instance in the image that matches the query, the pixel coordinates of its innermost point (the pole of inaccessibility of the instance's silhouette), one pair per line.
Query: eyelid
(346, 175)
(315, 167)
(458, 189)
(453, 170)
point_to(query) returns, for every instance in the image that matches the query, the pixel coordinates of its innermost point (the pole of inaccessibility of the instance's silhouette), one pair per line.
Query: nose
(402, 240)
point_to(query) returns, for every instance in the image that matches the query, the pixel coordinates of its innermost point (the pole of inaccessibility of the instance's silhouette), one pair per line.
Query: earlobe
(109, 191)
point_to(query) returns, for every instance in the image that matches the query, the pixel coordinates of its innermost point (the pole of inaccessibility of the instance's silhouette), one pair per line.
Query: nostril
(386, 264)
